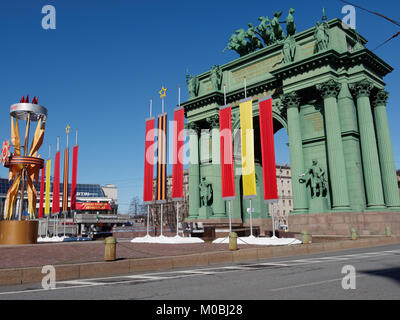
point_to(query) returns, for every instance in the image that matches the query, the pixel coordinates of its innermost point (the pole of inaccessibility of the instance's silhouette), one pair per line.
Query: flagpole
(161, 220)
(272, 202)
(229, 201)
(230, 217)
(55, 218)
(162, 112)
(177, 218)
(148, 206)
(177, 133)
(48, 215)
(251, 209)
(148, 214)
(245, 90)
(65, 183)
(65, 189)
(58, 149)
(251, 220)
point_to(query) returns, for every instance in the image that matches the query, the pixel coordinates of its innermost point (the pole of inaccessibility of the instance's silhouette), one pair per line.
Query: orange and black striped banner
(162, 159)
(56, 184)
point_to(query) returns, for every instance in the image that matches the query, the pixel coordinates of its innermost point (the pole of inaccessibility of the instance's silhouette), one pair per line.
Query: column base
(375, 208)
(300, 211)
(395, 208)
(205, 212)
(341, 209)
(219, 215)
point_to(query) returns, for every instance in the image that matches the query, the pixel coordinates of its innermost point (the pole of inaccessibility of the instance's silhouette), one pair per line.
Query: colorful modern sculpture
(24, 168)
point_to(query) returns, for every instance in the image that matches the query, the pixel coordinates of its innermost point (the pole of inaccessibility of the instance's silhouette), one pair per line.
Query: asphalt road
(318, 276)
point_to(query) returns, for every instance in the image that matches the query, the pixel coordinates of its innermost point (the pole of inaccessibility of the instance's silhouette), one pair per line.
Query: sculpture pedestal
(318, 205)
(205, 212)
(18, 232)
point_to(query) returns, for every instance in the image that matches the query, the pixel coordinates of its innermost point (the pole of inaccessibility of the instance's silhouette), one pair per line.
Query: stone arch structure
(332, 102)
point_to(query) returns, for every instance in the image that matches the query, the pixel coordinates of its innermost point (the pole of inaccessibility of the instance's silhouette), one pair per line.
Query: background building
(169, 208)
(85, 194)
(285, 200)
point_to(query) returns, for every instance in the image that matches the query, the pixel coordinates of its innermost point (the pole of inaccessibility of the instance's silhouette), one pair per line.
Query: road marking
(78, 282)
(235, 268)
(334, 259)
(307, 261)
(274, 264)
(197, 272)
(145, 277)
(311, 284)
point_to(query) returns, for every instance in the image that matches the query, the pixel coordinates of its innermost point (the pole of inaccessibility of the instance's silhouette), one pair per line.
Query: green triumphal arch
(328, 93)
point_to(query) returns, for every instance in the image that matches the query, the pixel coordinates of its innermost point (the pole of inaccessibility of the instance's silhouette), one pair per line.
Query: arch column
(218, 203)
(351, 148)
(292, 102)
(194, 170)
(388, 168)
(369, 150)
(337, 169)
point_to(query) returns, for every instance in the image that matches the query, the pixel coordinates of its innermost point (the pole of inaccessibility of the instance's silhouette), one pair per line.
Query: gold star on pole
(162, 92)
(67, 129)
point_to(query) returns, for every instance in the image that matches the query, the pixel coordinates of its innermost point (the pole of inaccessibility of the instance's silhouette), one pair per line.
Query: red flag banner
(227, 167)
(56, 184)
(162, 159)
(42, 177)
(74, 176)
(177, 167)
(65, 181)
(149, 161)
(268, 149)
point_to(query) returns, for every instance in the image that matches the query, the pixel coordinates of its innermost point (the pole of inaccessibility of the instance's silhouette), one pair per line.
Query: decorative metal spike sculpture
(24, 168)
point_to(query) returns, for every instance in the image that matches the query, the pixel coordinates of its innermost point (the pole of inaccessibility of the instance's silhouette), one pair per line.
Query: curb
(15, 276)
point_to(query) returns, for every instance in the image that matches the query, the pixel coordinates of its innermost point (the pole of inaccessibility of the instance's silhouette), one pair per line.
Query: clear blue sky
(107, 58)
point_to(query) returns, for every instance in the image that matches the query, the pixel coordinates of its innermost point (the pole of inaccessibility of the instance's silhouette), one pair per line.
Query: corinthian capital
(193, 126)
(362, 88)
(380, 98)
(290, 100)
(329, 89)
(213, 121)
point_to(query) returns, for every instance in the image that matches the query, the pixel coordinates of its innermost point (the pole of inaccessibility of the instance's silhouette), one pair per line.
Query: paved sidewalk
(93, 251)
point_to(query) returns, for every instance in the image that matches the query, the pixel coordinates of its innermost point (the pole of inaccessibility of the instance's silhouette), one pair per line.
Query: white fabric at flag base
(167, 240)
(273, 241)
(51, 239)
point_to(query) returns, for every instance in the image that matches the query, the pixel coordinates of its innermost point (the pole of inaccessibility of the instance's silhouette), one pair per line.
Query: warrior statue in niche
(205, 193)
(315, 178)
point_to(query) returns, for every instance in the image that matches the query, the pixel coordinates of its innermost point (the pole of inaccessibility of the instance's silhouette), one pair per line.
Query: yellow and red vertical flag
(74, 176)
(247, 139)
(268, 149)
(162, 159)
(42, 178)
(149, 161)
(226, 147)
(177, 167)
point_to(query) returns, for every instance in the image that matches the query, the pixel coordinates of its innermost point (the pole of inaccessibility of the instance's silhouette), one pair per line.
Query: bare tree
(136, 207)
